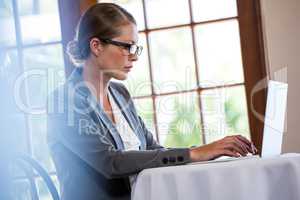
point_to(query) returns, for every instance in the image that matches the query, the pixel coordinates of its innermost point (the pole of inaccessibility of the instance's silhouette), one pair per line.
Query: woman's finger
(244, 147)
(239, 146)
(250, 146)
(232, 146)
(227, 152)
(252, 149)
(245, 140)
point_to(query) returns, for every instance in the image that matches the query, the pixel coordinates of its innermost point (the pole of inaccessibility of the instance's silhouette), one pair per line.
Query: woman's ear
(96, 46)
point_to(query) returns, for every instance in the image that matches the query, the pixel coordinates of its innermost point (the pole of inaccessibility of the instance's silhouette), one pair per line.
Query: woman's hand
(233, 146)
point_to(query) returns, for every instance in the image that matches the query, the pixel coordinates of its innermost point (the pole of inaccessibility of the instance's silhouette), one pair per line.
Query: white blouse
(129, 138)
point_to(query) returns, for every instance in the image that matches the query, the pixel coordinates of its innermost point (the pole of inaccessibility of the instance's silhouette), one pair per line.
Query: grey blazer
(87, 149)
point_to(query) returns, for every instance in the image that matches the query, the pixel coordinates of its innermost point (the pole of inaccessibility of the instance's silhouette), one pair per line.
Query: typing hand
(233, 146)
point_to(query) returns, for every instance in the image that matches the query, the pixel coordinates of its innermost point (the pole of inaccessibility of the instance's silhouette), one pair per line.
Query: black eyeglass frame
(133, 49)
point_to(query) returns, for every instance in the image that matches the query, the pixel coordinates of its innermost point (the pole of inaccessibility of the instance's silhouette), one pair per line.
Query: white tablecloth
(256, 179)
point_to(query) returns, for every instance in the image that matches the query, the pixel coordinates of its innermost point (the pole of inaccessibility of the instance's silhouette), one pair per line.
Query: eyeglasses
(132, 49)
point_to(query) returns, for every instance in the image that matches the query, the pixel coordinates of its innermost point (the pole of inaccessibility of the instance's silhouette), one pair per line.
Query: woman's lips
(128, 68)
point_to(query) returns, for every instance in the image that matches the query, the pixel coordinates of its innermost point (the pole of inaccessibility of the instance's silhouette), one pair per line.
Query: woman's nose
(133, 57)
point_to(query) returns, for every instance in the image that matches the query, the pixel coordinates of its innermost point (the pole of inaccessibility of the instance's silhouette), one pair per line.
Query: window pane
(38, 129)
(39, 23)
(45, 69)
(167, 13)
(14, 136)
(15, 128)
(172, 60)
(10, 71)
(135, 7)
(178, 120)
(138, 81)
(204, 10)
(7, 31)
(219, 53)
(44, 66)
(12, 119)
(225, 113)
(28, 7)
(145, 111)
(21, 190)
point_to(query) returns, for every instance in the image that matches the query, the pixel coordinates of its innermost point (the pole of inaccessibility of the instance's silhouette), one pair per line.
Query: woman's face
(115, 61)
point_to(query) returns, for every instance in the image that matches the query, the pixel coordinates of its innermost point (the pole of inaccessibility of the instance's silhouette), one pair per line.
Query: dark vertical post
(254, 64)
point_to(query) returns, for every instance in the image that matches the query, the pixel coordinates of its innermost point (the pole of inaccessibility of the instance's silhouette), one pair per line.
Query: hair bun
(74, 52)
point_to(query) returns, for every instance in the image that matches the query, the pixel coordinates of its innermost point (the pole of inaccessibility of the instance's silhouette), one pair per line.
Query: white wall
(281, 26)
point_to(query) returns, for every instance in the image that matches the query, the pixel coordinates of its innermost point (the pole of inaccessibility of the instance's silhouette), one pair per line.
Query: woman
(98, 152)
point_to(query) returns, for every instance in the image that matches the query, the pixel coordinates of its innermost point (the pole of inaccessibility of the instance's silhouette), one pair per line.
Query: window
(32, 64)
(189, 84)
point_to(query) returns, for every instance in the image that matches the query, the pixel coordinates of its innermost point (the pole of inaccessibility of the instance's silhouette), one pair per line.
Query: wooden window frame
(254, 63)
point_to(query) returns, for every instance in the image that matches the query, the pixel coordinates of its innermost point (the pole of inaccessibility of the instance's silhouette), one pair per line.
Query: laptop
(274, 119)
(273, 125)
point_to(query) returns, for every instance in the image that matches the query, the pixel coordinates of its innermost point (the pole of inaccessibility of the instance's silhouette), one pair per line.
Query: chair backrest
(26, 163)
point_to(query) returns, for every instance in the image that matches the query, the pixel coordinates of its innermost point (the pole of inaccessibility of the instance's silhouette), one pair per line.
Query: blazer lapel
(125, 109)
(77, 80)
(106, 121)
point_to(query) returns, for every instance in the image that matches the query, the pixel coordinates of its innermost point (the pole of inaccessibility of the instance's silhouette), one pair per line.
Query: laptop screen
(274, 118)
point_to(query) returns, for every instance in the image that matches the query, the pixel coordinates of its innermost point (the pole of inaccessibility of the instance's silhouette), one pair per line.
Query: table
(276, 178)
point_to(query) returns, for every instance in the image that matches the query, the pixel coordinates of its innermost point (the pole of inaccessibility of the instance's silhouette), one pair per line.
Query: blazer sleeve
(91, 144)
